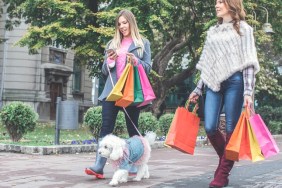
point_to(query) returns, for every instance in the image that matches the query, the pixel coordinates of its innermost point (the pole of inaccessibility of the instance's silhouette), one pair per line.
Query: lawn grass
(44, 135)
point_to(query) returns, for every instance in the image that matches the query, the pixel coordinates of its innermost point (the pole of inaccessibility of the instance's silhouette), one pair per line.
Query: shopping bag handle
(196, 107)
(249, 111)
(128, 60)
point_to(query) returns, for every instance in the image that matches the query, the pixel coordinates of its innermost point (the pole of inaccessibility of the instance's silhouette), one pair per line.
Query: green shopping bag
(138, 93)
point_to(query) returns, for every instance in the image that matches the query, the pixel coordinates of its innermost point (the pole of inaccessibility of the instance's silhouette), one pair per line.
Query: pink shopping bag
(147, 89)
(267, 143)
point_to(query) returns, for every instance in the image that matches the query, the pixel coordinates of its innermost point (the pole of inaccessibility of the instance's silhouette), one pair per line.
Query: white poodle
(126, 153)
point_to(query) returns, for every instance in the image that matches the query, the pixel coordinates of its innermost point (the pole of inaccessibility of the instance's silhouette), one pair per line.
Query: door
(56, 90)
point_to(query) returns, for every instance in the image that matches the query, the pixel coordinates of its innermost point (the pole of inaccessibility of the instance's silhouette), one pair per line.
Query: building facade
(39, 79)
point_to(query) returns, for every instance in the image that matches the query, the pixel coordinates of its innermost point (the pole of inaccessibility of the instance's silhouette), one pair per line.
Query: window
(57, 56)
(76, 77)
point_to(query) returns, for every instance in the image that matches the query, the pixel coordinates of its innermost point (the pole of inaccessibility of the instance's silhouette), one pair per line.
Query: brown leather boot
(221, 178)
(218, 142)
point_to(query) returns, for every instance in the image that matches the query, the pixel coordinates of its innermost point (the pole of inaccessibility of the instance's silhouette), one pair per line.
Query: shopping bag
(243, 143)
(128, 92)
(183, 131)
(256, 154)
(116, 92)
(245, 151)
(148, 93)
(267, 144)
(233, 147)
(138, 94)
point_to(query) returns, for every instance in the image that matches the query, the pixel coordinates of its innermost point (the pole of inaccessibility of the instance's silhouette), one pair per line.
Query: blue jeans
(109, 115)
(231, 96)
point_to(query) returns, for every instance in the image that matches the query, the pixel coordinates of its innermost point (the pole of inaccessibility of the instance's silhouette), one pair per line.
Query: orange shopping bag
(244, 151)
(183, 131)
(234, 144)
(128, 91)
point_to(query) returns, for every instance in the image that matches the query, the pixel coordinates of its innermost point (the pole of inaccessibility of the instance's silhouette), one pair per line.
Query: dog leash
(123, 107)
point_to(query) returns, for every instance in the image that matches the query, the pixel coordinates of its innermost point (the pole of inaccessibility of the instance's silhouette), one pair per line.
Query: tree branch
(178, 78)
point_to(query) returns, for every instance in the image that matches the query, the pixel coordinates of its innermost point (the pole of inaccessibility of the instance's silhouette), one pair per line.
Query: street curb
(58, 149)
(66, 149)
(87, 148)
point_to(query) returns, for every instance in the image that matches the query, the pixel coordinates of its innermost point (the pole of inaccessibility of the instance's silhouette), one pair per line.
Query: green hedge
(272, 118)
(165, 122)
(18, 118)
(93, 119)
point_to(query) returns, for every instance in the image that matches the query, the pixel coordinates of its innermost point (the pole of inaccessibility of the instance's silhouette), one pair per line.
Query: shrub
(275, 127)
(164, 123)
(272, 117)
(93, 119)
(147, 122)
(18, 118)
(269, 113)
(120, 124)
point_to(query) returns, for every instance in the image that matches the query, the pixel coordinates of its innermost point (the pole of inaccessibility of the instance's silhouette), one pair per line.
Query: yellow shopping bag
(128, 92)
(116, 92)
(254, 145)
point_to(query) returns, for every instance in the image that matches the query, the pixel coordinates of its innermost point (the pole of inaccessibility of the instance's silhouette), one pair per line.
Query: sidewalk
(168, 168)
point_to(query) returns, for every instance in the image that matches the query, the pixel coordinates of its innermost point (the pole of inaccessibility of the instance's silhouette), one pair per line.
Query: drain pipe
(4, 60)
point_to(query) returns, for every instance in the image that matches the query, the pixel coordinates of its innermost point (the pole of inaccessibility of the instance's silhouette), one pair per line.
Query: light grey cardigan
(145, 61)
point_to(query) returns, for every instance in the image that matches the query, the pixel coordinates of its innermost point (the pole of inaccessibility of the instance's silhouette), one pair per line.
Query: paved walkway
(169, 169)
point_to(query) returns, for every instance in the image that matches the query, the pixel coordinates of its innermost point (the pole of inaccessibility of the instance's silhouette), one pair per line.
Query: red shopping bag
(183, 131)
(147, 89)
(266, 142)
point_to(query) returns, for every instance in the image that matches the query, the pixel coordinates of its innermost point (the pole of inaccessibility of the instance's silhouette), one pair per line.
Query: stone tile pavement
(168, 168)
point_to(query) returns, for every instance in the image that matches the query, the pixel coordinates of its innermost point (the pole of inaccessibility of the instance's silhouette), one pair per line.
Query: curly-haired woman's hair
(237, 12)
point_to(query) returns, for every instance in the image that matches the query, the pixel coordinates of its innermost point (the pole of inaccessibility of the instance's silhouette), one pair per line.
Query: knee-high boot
(217, 140)
(221, 178)
(97, 168)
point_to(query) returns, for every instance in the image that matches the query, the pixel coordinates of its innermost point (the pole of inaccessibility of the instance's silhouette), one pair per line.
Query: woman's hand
(193, 97)
(132, 58)
(248, 101)
(112, 54)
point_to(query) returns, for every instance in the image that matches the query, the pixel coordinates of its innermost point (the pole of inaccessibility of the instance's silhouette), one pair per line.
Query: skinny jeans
(109, 116)
(231, 97)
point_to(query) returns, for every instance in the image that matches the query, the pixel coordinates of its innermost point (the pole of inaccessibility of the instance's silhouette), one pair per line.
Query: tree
(176, 29)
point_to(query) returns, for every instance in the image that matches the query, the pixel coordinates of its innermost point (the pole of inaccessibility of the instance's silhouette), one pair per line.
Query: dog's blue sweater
(135, 151)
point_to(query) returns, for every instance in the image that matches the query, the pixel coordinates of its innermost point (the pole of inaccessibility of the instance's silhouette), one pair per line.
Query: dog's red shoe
(91, 172)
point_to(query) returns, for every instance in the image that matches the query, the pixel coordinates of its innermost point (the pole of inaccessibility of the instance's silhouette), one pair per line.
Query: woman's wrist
(198, 91)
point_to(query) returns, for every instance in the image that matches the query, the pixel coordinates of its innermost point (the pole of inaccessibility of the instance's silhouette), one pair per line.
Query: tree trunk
(162, 87)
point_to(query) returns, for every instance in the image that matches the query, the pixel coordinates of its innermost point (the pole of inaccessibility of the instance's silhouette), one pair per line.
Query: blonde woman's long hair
(237, 12)
(136, 37)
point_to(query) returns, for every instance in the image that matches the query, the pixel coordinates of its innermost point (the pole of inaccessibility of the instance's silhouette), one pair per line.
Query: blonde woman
(126, 42)
(228, 65)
